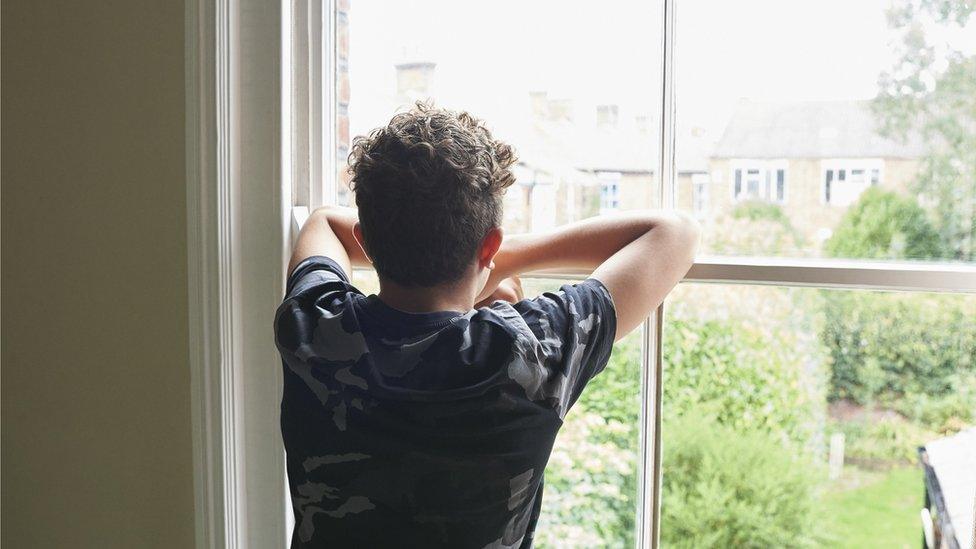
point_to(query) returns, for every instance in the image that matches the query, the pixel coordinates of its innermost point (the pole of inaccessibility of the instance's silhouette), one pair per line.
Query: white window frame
(609, 191)
(767, 170)
(848, 165)
(701, 193)
(246, 163)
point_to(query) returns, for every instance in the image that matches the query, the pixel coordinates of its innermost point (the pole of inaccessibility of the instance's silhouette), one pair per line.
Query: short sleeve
(575, 329)
(317, 286)
(313, 275)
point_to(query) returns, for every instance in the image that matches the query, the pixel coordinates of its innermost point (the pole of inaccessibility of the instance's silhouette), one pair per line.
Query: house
(812, 158)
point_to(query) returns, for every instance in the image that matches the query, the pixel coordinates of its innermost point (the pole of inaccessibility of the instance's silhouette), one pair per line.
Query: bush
(745, 378)
(754, 228)
(885, 225)
(756, 210)
(591, 481)
(883, 442)
(886, 347)
(724, 487)
(945, 414)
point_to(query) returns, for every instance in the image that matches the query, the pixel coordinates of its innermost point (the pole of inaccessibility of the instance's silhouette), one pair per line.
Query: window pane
(762, 385)
(855, 106)
(575, 95)
(591, 493)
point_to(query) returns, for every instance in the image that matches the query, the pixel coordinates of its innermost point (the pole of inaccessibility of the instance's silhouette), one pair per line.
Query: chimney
(414, 80)
(550, 110)
(607, 116)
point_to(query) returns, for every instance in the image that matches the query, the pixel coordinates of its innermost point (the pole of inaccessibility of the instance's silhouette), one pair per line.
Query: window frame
(700, 194)
(609, 191)
(241, 73)
(870, 166)
(767, 172)
(237, 210)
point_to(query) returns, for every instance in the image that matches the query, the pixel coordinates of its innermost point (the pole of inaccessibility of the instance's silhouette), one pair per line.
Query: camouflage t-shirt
(427, 429)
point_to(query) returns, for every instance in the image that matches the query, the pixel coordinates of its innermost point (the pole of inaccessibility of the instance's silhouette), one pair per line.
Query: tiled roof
(822, 129)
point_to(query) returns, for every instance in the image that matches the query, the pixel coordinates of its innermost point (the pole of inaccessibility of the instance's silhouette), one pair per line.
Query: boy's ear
(489, 247)
(357, 233)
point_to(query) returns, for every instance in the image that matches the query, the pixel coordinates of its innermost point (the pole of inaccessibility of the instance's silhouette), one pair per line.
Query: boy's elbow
(686, 234)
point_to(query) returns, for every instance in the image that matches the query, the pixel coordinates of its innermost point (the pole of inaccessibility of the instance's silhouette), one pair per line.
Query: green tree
(931, 92)
(884, 225)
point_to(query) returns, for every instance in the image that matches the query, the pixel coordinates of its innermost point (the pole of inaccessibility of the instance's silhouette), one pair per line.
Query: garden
(757, 381)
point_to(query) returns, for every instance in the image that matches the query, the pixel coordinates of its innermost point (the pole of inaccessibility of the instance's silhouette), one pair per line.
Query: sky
(490, 55)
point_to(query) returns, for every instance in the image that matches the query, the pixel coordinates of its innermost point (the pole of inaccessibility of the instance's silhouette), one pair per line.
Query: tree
(884, 225)
(931, 92)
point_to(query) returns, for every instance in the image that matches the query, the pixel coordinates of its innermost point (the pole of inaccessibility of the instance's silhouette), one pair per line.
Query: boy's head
(429, 189)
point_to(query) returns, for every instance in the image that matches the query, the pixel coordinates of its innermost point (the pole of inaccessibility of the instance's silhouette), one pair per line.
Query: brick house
(812, 158)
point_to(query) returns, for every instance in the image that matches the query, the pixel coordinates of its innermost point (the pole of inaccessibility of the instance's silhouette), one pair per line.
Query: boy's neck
(458, 296)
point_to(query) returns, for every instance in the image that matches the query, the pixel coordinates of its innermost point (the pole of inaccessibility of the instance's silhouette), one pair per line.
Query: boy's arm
(638, 256)
(328, 232)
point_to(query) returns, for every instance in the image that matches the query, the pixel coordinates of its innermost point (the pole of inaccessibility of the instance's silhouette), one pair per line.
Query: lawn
(877, 509)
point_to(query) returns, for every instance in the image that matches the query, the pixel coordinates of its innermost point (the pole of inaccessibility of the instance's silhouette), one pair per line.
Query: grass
(877, 509)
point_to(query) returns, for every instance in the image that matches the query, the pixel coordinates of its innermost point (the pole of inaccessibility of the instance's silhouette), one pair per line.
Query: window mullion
(649, 515)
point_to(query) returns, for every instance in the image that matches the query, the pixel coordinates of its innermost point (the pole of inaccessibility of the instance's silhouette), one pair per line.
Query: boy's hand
(509, 289)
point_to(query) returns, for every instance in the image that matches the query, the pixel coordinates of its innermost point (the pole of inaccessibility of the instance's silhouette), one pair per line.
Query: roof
(618, 149)
(954, 461)
(820, 129)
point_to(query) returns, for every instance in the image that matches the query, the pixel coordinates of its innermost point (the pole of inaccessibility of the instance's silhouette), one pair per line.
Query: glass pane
(885, 108)
(573, 94)
(590, 497)
(792, 417)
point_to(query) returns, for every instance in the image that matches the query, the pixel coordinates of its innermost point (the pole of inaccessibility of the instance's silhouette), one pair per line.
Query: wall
(804, 186)
(96, 446)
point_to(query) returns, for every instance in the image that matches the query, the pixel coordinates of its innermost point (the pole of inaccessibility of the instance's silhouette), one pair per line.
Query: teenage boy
(424, 416)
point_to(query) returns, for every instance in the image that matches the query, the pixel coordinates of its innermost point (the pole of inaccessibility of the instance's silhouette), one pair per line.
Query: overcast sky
(489, 55)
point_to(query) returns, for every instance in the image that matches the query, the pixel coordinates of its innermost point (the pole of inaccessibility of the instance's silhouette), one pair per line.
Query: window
(763, 181)
(609, 191)
(845, 180)
(379, 57)
(700, 192)
(586, 146)
(789, 381)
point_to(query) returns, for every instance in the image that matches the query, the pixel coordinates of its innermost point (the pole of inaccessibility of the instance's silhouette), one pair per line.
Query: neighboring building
(813, 158)
(618, 154)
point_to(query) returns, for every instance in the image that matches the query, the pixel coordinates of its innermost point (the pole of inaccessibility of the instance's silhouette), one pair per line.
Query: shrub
(945, 414)
(756, 210)
(745, 378)
(754, 228)
(885, 225)
(724, 487)
(591, 488)
(591, 481)
(883, 442)
(885, 347)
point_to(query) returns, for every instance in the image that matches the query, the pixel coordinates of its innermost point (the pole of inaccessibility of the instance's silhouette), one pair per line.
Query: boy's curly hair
(429, 187)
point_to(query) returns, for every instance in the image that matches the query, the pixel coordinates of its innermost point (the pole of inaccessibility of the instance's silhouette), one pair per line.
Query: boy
(424, 416)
